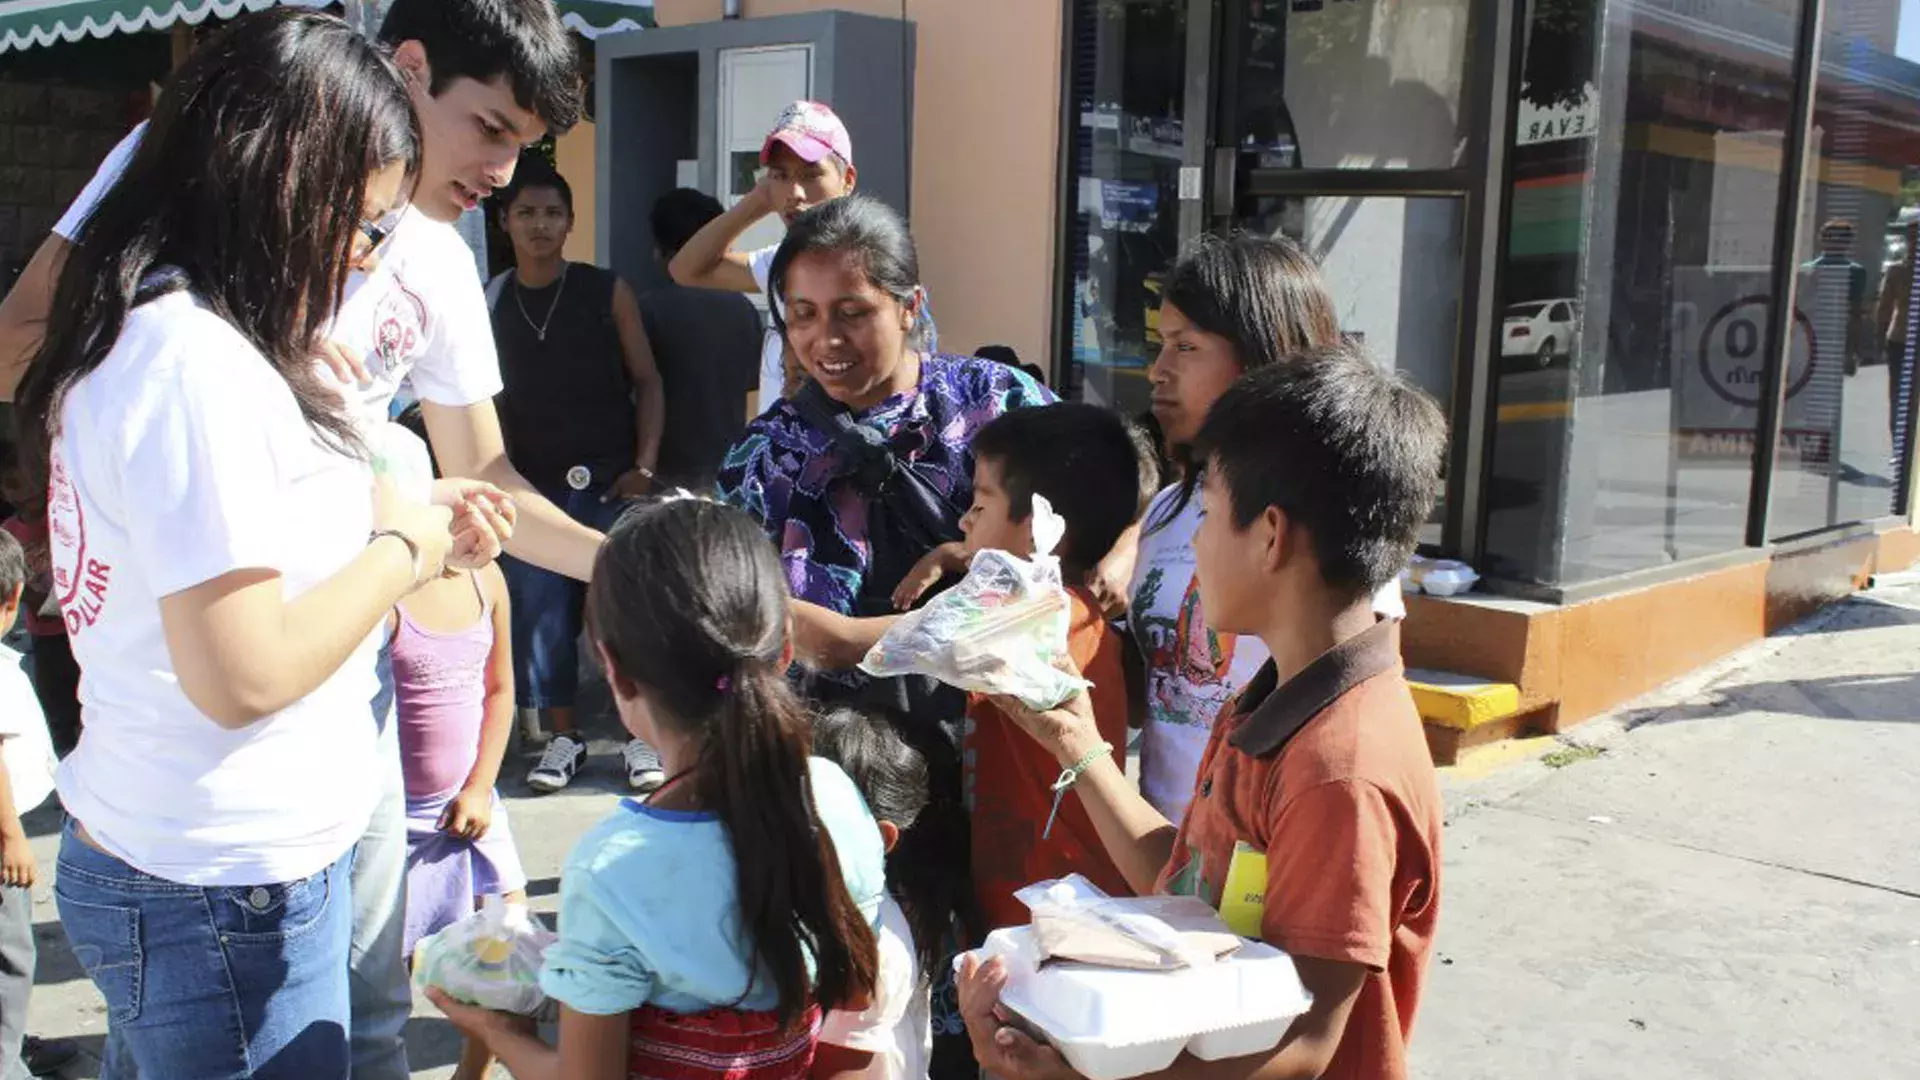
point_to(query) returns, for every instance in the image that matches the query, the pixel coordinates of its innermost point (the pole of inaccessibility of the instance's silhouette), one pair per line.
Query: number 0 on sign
(1732, 357)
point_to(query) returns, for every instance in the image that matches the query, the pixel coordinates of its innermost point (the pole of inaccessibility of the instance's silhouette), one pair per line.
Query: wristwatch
(413, 549)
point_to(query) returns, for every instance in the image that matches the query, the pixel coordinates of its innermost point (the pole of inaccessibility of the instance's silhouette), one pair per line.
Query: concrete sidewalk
(1721, 881)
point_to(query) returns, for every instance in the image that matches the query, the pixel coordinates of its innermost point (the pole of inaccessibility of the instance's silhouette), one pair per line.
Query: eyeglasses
(376, 232)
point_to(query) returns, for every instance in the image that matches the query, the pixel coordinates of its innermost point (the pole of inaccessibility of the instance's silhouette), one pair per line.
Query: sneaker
(45, 1057)
(561, 760)
(643, 767)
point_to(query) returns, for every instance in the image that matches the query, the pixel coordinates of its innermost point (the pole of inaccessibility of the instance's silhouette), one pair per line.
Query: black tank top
(567, 399)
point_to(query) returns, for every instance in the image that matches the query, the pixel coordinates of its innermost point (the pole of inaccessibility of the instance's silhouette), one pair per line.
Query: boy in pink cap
(809, 161)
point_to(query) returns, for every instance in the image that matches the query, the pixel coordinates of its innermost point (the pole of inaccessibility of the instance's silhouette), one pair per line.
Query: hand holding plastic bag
(1001, 630)
(490, 958)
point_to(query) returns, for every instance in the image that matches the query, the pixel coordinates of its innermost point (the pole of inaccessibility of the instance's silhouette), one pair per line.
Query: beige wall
(573, 155)
(986, 139)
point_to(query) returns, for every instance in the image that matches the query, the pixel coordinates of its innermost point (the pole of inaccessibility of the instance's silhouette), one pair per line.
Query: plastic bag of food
(1001, 630)
(490, 958)
(403, 459)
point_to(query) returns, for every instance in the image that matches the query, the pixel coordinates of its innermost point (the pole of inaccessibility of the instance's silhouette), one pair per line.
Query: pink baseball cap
(810, 130)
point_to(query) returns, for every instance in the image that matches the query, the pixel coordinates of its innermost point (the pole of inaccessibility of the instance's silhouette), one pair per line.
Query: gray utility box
(691, 105)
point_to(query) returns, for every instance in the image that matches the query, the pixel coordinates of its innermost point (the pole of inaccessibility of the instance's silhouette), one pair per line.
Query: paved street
(1717, 882)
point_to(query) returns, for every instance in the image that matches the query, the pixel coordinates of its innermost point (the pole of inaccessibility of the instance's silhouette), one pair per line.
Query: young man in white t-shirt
(809, 161)
(487, 79)
(26, 779)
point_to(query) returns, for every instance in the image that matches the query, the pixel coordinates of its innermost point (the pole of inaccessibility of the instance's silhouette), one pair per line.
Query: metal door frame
(1489, 79)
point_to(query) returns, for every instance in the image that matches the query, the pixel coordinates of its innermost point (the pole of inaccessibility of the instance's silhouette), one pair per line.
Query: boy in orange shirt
(1098, 474)
(1089, 466)
(1319, 473)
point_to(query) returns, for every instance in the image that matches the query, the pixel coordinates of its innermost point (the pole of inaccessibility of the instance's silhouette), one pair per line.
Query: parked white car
(1541, 330)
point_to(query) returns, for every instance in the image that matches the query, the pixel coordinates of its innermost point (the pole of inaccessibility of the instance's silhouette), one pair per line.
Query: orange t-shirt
(1329, 777)
(1009, 784)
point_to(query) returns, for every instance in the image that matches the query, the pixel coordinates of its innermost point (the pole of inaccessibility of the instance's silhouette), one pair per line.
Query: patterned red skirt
(723, 1044)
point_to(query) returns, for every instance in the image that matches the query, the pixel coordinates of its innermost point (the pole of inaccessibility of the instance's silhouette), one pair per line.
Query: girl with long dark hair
(1232, 305)
(704, 931)
(219, 553)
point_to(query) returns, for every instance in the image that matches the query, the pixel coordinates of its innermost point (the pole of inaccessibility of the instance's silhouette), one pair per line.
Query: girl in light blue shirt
(705, 931)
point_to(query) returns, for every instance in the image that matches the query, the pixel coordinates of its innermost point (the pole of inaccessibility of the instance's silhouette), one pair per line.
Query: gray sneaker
(643, 767)
(562, 759)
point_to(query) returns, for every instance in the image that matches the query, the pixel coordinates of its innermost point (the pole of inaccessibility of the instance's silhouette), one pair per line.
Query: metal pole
(1786, 234)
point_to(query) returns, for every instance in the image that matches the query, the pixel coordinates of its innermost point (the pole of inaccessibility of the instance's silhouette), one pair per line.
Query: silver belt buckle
(579, 477)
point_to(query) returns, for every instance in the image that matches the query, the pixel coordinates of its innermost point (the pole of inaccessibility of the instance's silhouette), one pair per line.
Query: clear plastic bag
(1001, 630)
(490, 958)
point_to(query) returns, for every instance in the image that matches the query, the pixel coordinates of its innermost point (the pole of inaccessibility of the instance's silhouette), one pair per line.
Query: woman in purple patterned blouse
(846, 292)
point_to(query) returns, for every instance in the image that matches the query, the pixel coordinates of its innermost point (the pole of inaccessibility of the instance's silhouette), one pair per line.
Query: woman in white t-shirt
(1230, 306)
(218, 554)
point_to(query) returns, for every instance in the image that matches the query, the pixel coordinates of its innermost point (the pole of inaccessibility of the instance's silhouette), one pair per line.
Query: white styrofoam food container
(1111, 1024)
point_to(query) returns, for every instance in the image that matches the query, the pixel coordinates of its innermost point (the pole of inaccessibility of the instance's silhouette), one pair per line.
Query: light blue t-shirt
(650, 907)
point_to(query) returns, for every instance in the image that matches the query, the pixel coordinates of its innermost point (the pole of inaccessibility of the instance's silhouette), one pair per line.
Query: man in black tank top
(582, 412)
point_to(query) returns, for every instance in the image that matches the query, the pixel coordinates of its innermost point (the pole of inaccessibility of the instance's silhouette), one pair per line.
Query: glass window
(1350, 84)
(1647, 171)
(1393, 266)
(1127, 80)
(1844, 429)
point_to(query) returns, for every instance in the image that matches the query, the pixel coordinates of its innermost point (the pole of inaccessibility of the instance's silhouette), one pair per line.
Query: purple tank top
(440, 693)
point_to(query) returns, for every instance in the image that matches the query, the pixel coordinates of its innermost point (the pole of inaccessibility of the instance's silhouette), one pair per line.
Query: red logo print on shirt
(399, 332)
(79, 581)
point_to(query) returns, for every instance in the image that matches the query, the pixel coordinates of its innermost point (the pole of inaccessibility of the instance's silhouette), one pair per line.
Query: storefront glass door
(1349, 126)
(1131, 131)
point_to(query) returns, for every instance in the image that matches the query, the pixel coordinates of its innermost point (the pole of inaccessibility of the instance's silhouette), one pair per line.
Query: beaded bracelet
(1069, 777)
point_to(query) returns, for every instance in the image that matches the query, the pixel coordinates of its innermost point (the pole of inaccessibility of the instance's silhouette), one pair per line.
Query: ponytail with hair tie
(685, 588)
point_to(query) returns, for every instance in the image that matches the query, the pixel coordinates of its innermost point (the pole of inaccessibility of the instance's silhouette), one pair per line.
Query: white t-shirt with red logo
(182, 458)
(418, 316)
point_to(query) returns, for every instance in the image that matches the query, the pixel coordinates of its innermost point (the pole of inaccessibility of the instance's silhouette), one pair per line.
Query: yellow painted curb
(1461, 702)
(1484, 761)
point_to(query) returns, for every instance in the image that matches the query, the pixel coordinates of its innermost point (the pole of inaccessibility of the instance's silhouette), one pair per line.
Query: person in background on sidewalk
(56, 678)
(485, 78)
(26, 779)
(582, 414)
(1232, 306)
(225, 554)
(706, 343)
(808, 160)
(1316, 782)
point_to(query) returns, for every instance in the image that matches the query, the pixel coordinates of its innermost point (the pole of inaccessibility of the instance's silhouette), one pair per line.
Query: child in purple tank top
(453, 686)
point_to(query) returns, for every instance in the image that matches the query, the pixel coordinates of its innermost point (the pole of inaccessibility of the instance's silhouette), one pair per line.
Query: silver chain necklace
(540, 328)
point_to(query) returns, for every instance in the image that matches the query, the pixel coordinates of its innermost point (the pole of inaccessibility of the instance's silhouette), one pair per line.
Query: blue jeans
(547, 610)
(226, 981)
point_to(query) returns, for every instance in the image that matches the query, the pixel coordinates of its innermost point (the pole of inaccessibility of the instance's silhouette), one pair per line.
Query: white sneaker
(643, 767)
(558, 764)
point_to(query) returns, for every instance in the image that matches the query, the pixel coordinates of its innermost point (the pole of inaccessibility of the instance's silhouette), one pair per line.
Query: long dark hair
(893, 777)
(689, 601)
(248, 187)
(875, 235)
(1264, 295)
